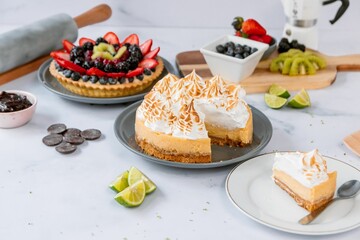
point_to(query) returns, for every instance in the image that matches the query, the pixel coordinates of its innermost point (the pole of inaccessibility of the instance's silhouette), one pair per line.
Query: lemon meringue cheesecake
(304, 176)
(180, 118)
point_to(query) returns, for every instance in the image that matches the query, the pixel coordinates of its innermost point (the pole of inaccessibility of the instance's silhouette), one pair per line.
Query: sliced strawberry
(148, 63)
(70, 65)
(152, 54)
(60, 55)
(67, 45)
(132, 39)
(111, 38)
(116, 75)
(83, 40)
(146, 46)
(251, 26)
(95, 71)
(135, 72)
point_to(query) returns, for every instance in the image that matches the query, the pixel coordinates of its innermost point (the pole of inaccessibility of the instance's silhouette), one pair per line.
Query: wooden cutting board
(262, 78)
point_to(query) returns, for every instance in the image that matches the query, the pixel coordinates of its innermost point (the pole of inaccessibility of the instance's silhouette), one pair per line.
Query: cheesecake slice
(305, 177)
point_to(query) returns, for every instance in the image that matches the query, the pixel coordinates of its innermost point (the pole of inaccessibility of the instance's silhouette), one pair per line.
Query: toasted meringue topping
(189, 124)
(309, 169)
(180, 106)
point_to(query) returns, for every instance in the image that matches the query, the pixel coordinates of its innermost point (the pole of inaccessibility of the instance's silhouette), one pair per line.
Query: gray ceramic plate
(221, 155)
(54, 86)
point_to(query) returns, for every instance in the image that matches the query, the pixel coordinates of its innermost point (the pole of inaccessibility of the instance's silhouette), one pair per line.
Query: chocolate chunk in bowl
(16, 108)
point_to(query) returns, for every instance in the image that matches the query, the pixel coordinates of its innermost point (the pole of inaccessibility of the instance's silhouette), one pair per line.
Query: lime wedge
(300, 100)
(274, 102)
(120, 183)
(136, 175)
(278, 91)
(133, 195)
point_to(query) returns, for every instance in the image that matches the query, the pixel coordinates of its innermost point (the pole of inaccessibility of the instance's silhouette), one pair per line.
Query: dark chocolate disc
(52, 139)
(72, 132)
(65, 148)
(57, 128)
(73, 139)
(91, 134)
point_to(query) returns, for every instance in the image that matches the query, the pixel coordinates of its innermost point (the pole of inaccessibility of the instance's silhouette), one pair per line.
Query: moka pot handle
(344, 6)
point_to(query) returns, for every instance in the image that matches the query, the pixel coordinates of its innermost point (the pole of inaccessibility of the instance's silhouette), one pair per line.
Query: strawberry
(60, 55)
(111, 38)
(152, 54)
(67, 45)
(132, 39)
(267, 39)
(70, 65)
(95, 71)
(116, 75)
(256, 38)
(135, 72)
(148, 63)
(251, 26)
(146, 46)
(83, 40)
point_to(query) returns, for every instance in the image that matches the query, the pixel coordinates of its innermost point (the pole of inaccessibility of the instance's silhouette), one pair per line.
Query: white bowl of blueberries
(233, 58)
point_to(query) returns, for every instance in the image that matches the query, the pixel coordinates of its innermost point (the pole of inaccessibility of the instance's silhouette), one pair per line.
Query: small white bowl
(18, 118)
(231, 68)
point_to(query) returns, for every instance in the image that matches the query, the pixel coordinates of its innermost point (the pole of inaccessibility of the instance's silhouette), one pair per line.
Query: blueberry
(132, 79)
(122, 66)
(133, 62)
(103, 80)
(230, 44)
(88, 64)
(100, 40)
(112, 81)
(238, 50)
(67, 73)
(85, 78)
(238, 55)
(76, 52)
(220, 48)
(99, 64)
(147, 71)
(122, 80)
(253, 50)
(230, 52)
(140, 77)
(245, 54)
(79, 61)
(247, 49)
(75, 76)
(94, 79)
(109, 68)
(301, 47)
(88, 46)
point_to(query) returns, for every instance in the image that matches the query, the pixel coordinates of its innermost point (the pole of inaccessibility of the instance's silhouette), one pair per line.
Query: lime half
(120, 183)
(278, 91)
(133, 195)
(300, 100)
(274, 102)
(136, 175)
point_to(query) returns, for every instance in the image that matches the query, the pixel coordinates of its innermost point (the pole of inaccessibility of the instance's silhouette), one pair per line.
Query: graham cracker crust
(300, 201)
(184, 158)
(227, 141)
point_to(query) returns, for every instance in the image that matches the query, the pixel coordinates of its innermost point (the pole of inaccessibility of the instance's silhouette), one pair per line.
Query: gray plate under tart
(54, 86)
(124, 128)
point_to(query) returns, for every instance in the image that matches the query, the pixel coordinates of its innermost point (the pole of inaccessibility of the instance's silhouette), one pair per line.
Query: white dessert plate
(251, 189)
(124, 128)
(54, 86)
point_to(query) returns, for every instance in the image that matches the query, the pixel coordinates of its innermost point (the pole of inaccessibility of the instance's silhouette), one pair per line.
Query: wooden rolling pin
(26, 48)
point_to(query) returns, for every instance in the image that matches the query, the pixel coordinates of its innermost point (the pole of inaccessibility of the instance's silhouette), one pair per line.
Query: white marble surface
(45, 195)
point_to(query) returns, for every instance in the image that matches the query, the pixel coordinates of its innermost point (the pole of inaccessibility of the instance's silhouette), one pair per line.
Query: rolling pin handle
(97, 14)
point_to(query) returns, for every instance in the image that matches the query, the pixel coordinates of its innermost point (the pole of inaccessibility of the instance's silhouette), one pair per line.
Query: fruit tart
(106, 67)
